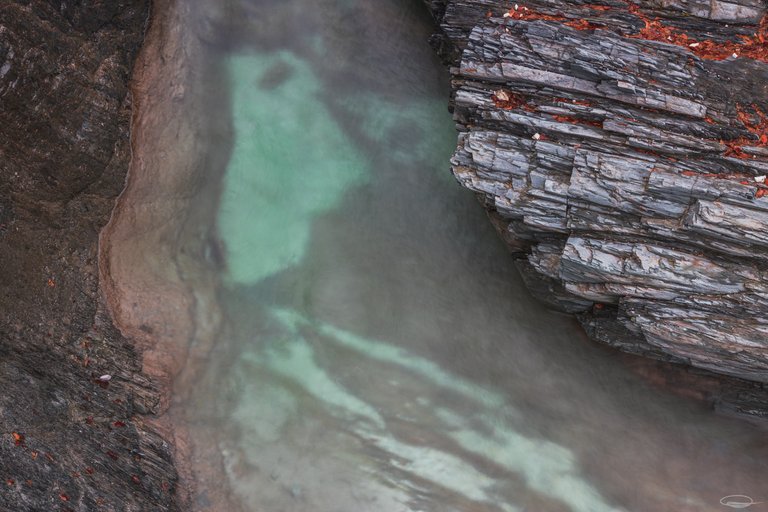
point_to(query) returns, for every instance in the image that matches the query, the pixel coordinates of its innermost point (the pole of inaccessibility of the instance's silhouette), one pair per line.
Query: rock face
(621, 150)
(68, 440)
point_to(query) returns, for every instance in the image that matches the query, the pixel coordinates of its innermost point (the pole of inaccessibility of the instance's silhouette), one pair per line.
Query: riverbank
(159, 255)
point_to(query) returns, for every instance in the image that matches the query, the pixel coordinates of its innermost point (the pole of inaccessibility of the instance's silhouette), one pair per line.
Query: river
(379, 352)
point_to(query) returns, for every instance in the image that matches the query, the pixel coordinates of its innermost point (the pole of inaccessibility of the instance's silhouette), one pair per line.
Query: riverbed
(378, 351)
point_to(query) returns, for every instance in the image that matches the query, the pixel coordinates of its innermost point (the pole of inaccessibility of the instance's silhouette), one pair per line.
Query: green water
(380, 353)
(284, 170)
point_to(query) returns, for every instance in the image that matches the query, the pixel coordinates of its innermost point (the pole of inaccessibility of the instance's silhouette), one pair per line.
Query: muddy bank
(68, 440)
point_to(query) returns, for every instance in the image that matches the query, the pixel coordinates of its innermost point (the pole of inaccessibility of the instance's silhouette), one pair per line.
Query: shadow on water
(380, 353)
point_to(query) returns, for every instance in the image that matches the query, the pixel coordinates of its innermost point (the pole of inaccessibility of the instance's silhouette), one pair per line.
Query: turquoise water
(284, 170)
(380, 354)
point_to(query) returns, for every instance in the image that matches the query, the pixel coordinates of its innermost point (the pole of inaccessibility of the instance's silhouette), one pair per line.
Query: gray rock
(622, 173)
(69, 441)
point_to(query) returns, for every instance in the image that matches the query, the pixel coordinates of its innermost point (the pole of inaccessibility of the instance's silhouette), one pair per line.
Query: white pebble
(501, 95)
(536, 136)
(760, 179)
(105, 378)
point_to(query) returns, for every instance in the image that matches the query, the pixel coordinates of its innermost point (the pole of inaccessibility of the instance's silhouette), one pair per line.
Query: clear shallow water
(380, 353)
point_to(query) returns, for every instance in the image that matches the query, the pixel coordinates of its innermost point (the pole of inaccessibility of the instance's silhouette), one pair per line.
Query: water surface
(380, 353)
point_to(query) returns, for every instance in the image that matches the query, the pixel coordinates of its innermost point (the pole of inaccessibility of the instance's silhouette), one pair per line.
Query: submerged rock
(621, 151)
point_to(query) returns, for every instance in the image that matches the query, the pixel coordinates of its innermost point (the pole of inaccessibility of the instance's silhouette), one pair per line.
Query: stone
(625, 170)
(73, 386)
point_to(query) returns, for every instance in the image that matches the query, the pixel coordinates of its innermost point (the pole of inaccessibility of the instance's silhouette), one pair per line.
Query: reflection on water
(380, 353)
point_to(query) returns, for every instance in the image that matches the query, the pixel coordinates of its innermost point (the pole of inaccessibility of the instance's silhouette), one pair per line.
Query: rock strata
(73, 430)
(621, 150)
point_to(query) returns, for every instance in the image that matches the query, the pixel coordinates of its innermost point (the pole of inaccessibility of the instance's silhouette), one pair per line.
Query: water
(380, 354)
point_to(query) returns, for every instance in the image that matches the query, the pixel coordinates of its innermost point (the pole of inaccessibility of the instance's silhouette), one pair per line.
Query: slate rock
(625, 173)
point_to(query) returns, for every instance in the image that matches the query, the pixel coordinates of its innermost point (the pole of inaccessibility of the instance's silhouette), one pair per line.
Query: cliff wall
(621, 151)
(73, 431)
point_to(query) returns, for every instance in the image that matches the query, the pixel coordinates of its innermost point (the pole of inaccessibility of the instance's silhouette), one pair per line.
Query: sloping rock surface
(68, 440)
(621, 150)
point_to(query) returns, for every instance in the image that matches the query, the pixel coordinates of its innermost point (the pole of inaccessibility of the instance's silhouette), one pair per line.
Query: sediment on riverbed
(621, 151)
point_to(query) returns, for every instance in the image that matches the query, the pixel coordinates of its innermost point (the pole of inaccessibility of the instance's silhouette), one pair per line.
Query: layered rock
(73, 435)
(622, 151)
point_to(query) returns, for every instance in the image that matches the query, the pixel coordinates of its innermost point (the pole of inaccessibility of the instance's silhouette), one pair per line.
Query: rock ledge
(621, 152)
